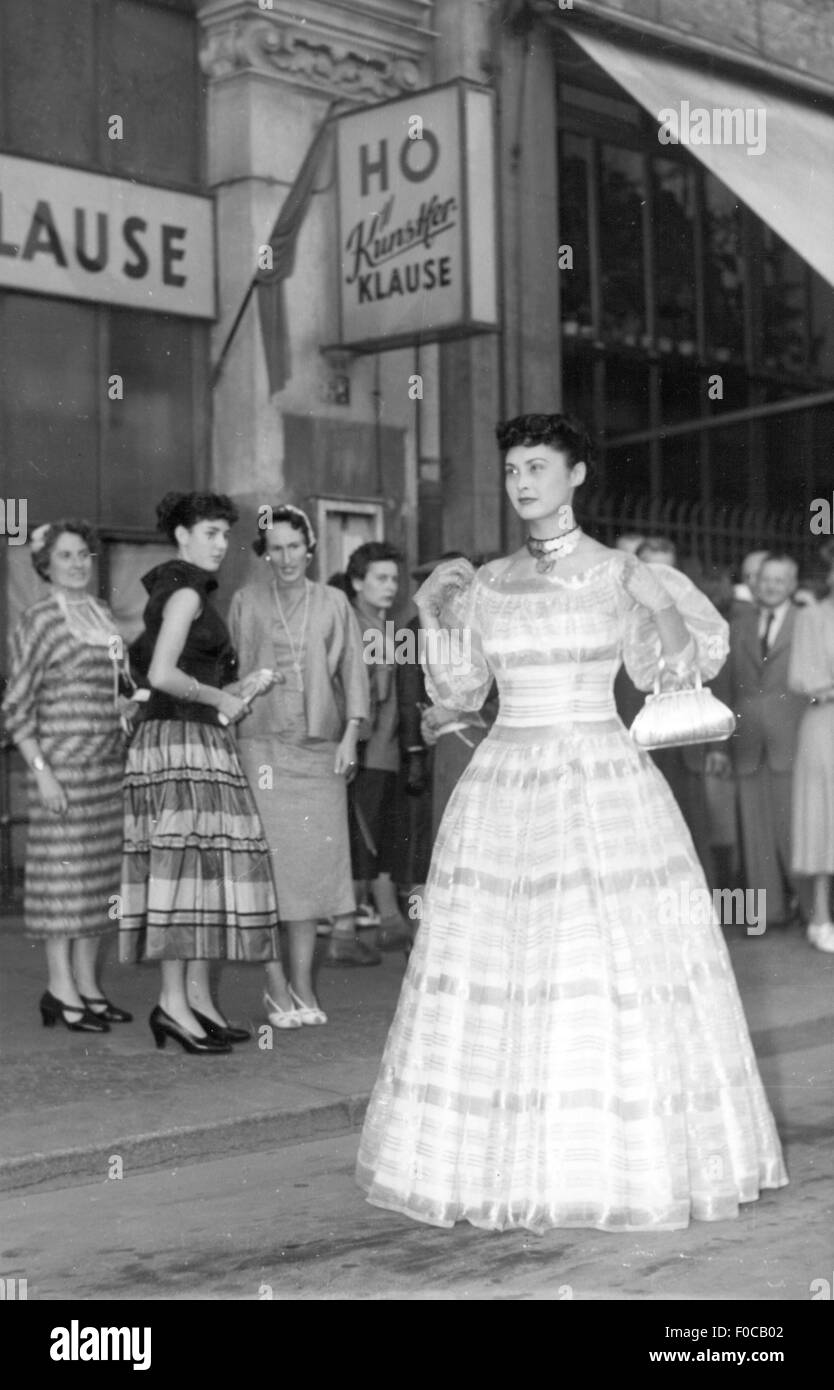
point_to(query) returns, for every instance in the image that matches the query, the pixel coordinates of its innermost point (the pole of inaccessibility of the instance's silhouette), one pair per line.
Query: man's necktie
(765, 638)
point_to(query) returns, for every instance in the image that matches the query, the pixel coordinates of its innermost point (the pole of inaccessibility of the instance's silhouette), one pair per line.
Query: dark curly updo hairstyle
(46, 539)
(369, 554)
(562, 432)
(187, 508)
(295, 518)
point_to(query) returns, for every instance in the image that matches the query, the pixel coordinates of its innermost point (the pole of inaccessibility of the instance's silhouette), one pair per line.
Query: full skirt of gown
(569, 1047)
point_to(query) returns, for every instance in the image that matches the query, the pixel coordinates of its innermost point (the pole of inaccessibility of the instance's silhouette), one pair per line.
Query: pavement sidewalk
(71, 1103)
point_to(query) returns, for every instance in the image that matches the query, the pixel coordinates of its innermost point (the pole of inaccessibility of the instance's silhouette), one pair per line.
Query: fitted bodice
(555, 651)
(555, 645)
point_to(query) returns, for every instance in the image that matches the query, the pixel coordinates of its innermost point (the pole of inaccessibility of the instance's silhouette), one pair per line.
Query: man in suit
(743, 593)
(764, 743)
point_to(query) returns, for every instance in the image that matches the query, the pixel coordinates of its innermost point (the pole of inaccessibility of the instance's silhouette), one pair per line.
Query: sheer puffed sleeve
(810, 671)
(648, 590)
(30, 654)
(457, 672)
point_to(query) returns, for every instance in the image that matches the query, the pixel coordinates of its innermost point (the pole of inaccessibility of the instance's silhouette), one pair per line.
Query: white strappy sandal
(278, 1017)
(305, 1013)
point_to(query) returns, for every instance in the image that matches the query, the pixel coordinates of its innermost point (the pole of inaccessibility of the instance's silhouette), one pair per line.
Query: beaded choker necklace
(547, 552)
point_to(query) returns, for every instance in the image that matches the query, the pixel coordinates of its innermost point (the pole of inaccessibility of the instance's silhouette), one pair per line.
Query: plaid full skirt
(196, 880)
(569, 1047)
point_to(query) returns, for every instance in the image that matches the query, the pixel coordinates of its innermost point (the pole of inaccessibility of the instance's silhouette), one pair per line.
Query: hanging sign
(417, 256)
(78, 235)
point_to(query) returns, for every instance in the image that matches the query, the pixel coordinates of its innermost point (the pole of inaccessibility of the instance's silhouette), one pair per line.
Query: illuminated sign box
(77, 235)
(417, 254)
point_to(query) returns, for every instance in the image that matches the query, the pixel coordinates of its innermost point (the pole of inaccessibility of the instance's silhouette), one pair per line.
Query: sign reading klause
(81, 235)
(417, 244)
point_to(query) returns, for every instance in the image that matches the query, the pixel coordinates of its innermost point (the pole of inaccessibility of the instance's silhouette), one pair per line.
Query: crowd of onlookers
(327, 803)
(760, 807)
(147, 815)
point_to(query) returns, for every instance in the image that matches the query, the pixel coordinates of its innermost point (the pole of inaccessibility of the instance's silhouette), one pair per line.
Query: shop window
(787, 442)
(574, 231)
(154, 85)
(66, 446)
(821, 435)
(47, 66)
(627, 472)
(622, 198)
(49, 401)
(680, 392)
(723, 271)
(578, 388)
(674, 252)
(821, 348)
(797, 454)
(681, 467)
(626, 395)
(66, 68)
(149, 443)
(784, 305)
(729, 462)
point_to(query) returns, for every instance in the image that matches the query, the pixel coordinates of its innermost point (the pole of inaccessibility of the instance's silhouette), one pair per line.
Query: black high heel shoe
(163, 1027)
(111, 1013)
(223, 1032)
(53, 1009)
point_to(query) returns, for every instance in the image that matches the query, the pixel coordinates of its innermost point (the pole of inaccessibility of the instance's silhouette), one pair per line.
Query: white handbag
(675, 718)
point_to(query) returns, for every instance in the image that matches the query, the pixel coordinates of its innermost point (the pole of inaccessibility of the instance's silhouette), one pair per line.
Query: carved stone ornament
(306, 58)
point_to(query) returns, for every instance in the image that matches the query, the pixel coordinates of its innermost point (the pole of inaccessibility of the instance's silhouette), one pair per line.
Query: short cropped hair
(371, 553)
(782, 557)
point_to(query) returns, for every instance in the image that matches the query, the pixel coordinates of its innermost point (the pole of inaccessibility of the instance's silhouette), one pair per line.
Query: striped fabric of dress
(61, 692)
(569, 1048)
(196, 880)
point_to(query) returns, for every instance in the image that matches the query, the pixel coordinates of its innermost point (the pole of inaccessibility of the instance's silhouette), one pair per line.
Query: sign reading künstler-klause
(417, 258)
(79, 235)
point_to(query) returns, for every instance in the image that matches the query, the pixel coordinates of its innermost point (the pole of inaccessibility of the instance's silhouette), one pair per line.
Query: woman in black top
(196, 881)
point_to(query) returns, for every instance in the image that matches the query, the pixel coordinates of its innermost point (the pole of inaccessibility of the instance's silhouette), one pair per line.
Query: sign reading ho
(417, 219)
(87, 236)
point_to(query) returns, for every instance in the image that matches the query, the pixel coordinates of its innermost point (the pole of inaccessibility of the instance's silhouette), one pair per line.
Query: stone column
(484, 378)
(469, 373)
(272, 67)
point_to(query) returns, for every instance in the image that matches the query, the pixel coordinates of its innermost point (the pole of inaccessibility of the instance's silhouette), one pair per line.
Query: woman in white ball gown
(569, 1047)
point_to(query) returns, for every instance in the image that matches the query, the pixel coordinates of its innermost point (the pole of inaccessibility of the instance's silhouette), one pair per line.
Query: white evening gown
(564, 1053)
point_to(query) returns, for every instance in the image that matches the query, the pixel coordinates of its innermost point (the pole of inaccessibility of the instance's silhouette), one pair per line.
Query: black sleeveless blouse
(208, 654)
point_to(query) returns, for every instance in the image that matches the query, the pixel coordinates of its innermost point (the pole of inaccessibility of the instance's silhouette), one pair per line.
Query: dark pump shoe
(111, 1013)
(163, 1027)
(81, 1020)
(223, 1032)
(393, 935)
(350, 952)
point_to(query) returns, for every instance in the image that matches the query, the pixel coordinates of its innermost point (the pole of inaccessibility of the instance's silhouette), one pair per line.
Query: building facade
(634, 274)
